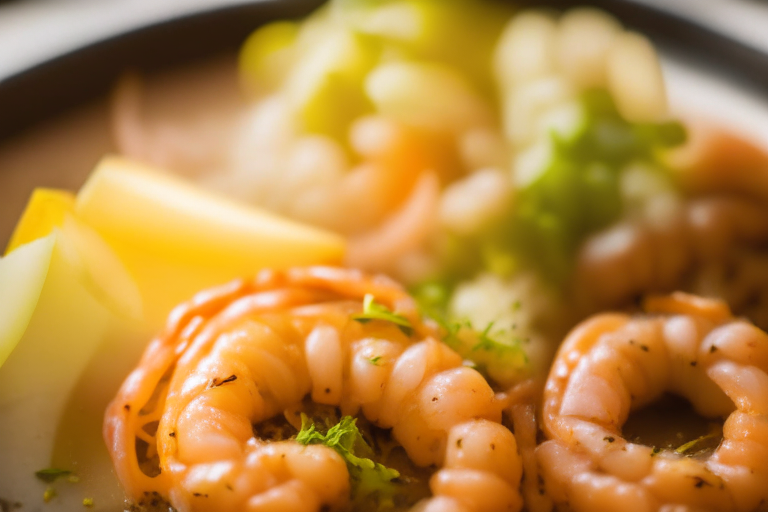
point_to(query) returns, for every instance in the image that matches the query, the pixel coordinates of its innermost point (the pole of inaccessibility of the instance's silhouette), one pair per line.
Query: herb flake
(49, 494)
(50, 475)
(375, 311)
(367, 477)
(698, 444)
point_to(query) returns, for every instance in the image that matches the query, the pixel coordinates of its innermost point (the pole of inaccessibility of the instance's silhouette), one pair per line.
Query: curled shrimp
(182, 426)
(399, 168)
(612, 364)
(713, 244)
(717, 161)
(713, 247)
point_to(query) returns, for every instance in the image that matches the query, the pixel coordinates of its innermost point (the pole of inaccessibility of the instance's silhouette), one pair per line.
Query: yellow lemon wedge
(51, 325)
(176, 239)
(98, 266)
(80, 270)
(45, 210)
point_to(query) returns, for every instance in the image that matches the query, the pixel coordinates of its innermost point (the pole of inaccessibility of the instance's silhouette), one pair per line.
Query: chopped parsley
(485, 341)
(49, 494)
(700, 443)
(375, 361)
(495, 352)
(50, 475)
(375, 311)
(574, 191)
(367, 477)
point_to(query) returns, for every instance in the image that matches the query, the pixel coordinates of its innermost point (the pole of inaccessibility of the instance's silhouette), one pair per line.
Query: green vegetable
(701, 443)
(50, 475)
(49, 494)
(577, 192)
(267, 54)
(322, 63)
(457, 33)
(375, 311)
(369, 479)
(494, 352)
(325, 87)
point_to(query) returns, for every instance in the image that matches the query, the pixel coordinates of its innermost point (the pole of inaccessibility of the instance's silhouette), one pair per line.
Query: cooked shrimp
(523, 398)
(393, 159)
(404, 231)
(713, 247)
(181, 427)
(613, 364)
(482, 470)
(716, 161)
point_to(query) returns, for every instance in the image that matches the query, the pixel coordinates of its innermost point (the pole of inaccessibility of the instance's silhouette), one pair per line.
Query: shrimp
(403, 232)
(720, 231)
(717, 161)
(382, 186)
(182, 426)
(612, 364)
(712, 247)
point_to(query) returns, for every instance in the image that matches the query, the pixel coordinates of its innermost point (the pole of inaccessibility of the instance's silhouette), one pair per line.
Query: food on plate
(52, 322)
(515, 175)
(613, 364)
(86, 277)
(461, 148)
(176, 239)
(182, 428)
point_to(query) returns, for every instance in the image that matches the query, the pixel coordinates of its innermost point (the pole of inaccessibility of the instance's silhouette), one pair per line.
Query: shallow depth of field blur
(464, 147)
(516, 169)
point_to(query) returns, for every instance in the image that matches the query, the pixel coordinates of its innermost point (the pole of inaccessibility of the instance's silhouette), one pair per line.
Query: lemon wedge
(176, 239)
(45, 210)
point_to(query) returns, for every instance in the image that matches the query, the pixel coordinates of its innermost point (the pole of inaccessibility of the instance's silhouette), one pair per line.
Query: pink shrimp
(181, 427)
(403, 232)
(613, 364)
(717, 161)
(714, 247)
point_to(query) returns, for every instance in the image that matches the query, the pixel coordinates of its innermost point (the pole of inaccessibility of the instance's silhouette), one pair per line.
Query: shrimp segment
(182, 426)
(612, 364)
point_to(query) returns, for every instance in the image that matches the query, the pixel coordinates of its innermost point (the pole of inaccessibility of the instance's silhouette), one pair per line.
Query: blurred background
(37, 30)
(55, 96)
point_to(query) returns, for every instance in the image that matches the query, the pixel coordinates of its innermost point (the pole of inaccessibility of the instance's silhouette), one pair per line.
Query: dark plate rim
(62, 83)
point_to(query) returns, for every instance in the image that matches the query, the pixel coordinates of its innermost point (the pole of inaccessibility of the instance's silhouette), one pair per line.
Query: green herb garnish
(49, 494)
(367, 477)
(496, 353)
(50, 475)
(374, 311)
(700, 443)
(485, 341)
(575, 191)
(375, 360)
